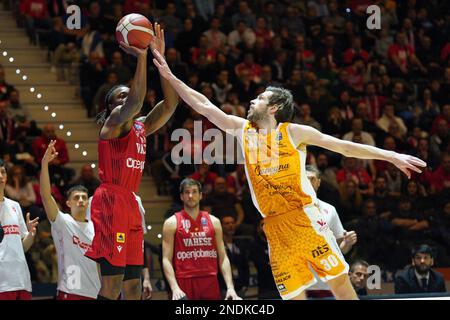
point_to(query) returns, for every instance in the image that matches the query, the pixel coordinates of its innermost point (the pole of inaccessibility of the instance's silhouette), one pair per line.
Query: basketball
(135, 30)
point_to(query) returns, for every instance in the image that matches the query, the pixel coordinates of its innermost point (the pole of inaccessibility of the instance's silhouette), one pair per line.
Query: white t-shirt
(77, 274)
(14, 272)
(331, 217)
(141, 210)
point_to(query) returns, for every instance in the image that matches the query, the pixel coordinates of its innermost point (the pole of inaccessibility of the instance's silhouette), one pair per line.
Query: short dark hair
(103, 115)
(358, 263)
(188, 182)
(423, 248)
(285, 102)
(76, 188)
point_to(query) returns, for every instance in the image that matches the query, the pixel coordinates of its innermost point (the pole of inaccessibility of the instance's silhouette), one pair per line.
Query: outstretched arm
(137, 92)
(196, 100)
(162, 112)
(308, 135)
(50, 206)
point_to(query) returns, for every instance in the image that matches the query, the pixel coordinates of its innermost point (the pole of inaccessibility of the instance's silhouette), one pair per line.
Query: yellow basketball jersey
(275, 170)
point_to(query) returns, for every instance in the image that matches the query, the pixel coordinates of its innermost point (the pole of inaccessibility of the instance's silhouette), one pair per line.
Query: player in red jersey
(193, 248)
(118, 242)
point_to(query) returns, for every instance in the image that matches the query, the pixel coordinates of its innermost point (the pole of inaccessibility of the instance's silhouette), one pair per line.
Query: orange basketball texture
(135, 30)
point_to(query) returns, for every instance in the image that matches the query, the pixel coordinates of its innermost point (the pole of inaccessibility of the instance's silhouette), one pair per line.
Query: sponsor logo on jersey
(194, 242)
(321, 222)
(281, 287)
(11, 229)
(279, 137)
(138, 126)
(120, 237)
(119, 248)
(196, 254)
(320, 250)
(135, 164)
(203, 221)
(271, 170)
(85, 246)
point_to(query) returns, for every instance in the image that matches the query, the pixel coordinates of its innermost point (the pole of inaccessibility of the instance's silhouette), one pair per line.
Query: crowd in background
(388, 88)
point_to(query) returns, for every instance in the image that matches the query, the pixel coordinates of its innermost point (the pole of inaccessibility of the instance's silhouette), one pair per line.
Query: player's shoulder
(215, 221)
(326, 206)
(170, 222)
(12, 203)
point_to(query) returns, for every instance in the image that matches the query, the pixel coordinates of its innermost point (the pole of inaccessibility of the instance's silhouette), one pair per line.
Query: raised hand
(158, 42)
(407, 164)
(134, 51)
(161, 64)
(50, 153)
(31, 225)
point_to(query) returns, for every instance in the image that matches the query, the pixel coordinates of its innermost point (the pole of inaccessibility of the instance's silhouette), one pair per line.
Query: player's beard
(255, 116)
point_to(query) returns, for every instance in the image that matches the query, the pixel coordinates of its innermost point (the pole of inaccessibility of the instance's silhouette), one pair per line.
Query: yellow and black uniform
(281, 191)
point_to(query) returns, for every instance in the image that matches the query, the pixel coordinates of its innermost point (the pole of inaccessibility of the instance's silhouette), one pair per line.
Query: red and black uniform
(195, 257)
(114, 210)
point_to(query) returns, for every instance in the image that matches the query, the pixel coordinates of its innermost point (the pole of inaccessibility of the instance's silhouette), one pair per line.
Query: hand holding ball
(135, 30)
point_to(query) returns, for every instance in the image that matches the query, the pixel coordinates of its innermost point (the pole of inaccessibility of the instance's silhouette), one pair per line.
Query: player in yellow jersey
(296, 234)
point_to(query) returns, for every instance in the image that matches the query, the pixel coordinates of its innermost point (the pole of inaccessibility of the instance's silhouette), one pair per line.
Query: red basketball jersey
(121, 160)
(195, 251)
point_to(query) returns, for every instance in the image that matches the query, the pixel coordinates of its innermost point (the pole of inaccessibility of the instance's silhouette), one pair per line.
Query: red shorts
(119, 237)
(67, 296)
(200, 288)
(15, 295)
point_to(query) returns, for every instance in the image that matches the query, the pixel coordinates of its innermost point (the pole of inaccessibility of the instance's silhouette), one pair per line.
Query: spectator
(352, 170)
(92, 76)
(389, 117)
(304, 117)
(222, 86)
(223, 202)
(216, 38)
(206, 177)
(180, 69)
(21, 153)
(244, 13)
(374, 101)
(269, 13)
(112, 79)
(358, 276)
(242, 37)
(357, 129)
(60, 173)
(440, 141)
(186, 39)
(254, 70)
(172, 22)
(5, 88)
(385, 203)
(133, 6)
(205, 8)
(441, 176)
(350, 201)
(238, 254)
(117, 66)
(355, 51)
(87, 179)
(36, 15)
(293, 22)
(7, 126)
(419, 277)
(20, 189)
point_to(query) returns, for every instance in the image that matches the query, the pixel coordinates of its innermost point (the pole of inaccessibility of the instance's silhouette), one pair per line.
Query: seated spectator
(172, 22)
(222, 86)
(205, 49)
(5, 87)
(385, 203)
(238, 252)
(254, 70)
(262, 30)
(186, 40)
(223, 202)
(242, 37)
(15, 107)
(87, 179)
(112, 79)
(419, 277)
(65, 56)
(118, 67)
(303, 116)
(426, 110)
(440, 141)
(394, 180)
(357, 128)
(374, 101)
(358, 277)
(7, 127)
(237, 181)
(59, 172)
(216, 38)
(441, 176)
(403, 58)
(388, 117)
(244, 13)
(350, 201)
(21, 153)
(417, 195)
(36, 15)
(352, 170)
(19, 189)
(205, 177)
(179, 68)
(356, 50)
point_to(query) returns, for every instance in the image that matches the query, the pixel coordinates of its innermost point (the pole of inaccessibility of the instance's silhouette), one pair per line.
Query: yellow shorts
(297, 240)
